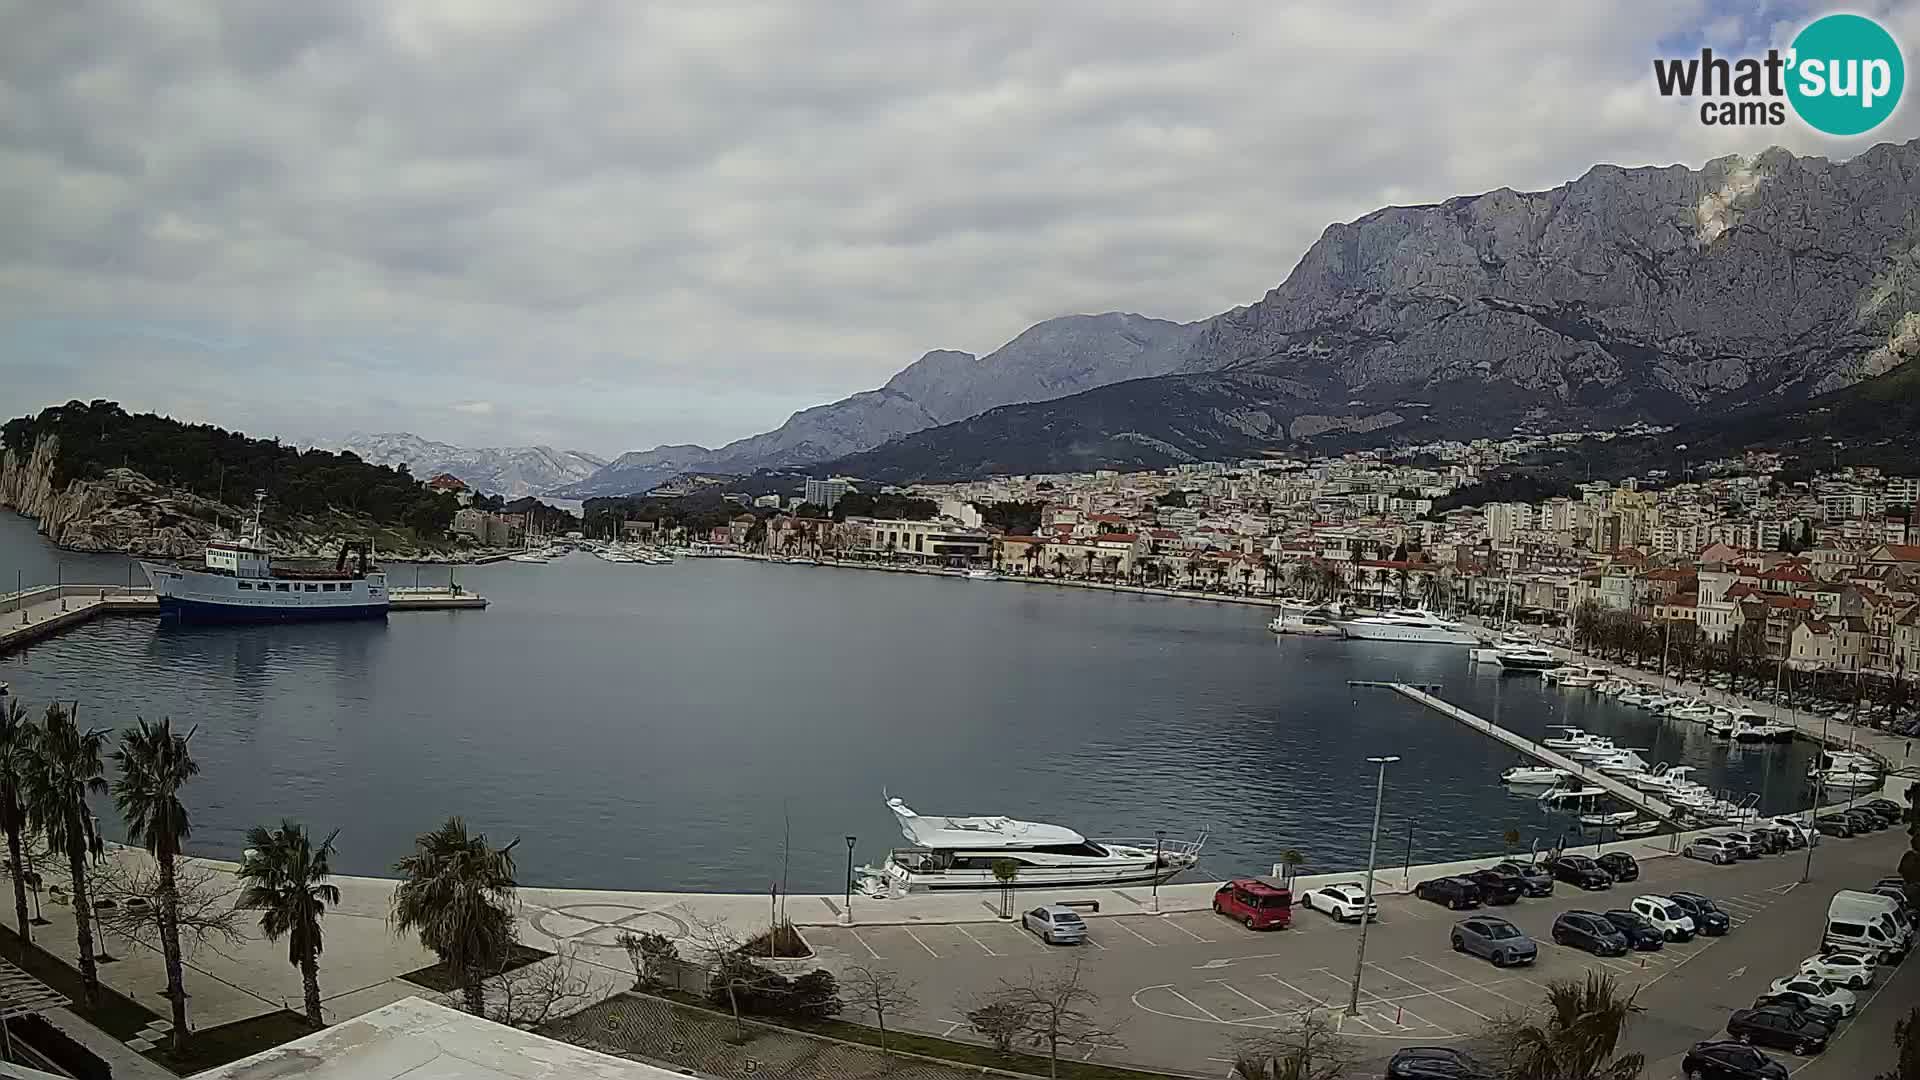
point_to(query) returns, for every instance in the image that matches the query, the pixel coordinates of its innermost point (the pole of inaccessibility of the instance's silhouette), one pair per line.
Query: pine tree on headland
(285, 879)
(16, 751)
(457, 893)
(63, 770)
(154, 764)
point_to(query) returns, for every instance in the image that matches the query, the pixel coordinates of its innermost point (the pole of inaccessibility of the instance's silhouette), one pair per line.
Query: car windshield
(1673, 912)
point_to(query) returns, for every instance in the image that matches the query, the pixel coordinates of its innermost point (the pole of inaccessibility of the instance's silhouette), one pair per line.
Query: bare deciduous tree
(719, 947)
(1054, 1008)
(880, 992)
(1311, 1049)
(652, 956)
(537, 993)
(204, 897)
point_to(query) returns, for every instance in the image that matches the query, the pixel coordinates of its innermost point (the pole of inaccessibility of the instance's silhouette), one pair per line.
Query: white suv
(1344, 901)
(1665, 915)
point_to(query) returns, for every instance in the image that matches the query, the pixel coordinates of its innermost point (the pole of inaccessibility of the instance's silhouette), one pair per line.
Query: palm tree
(1300, 575)
(1577, 1036)
(154, 763)
(64, 770)
(455, 892)
(1060, 564)
(16, 751)
(286, 881)
(1400, 578)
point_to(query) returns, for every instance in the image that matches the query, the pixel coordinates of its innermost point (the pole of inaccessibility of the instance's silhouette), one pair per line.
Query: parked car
(1436, 1063)
(1772, 841)
(1496, 888)
(1726, 1059)
(1536, 880)
(1867, 819)
(1708, 919)
(1056, 925)
(1788, 839)
(1826, 1014)
(1495, 939)
(1589, 931)
(1781, 1027)
(1669, 918)
(1833, 825)
(1851, 970)
(1455, 892)
(1641, 934)
(1256, 904)
(1619, 866)
(1711, 849)
(1802, 829)
(1817, 990)
(1894, 809)
(1344, 901)
(1580, 870)
(1744, 845)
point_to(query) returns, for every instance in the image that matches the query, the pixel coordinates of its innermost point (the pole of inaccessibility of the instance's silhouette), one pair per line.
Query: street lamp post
(1366, 909)
(846, 913)
(1159, 838)
(1819, 793)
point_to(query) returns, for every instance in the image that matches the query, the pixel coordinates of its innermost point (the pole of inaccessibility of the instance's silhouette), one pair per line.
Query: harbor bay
(722, 724)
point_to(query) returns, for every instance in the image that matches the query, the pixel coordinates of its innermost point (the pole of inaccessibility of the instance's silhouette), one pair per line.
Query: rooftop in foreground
(423, 1041)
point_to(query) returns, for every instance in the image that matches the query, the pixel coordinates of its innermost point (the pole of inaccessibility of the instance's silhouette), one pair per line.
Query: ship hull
(203, 611)
(1410, 635)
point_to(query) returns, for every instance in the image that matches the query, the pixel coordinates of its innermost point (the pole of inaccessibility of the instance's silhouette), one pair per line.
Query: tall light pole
(846, 913)
(1819, 793)
(1159, 838)
(1366, 909)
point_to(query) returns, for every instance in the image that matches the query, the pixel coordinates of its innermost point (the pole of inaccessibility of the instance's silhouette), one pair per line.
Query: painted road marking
(1196, 1005)
(1316, 1000)
(975, 940)
(1231, 960)
(1136, 933)
(1434, 993)
(864, 945)
(1255, 1002)
(1189, 933)
(1377, 999)
(917, 941)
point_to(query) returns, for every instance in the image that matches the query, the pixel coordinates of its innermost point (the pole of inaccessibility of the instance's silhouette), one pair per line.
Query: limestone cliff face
(128, 513)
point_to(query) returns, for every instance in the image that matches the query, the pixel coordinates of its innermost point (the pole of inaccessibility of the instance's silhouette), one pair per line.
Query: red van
(1255, 903)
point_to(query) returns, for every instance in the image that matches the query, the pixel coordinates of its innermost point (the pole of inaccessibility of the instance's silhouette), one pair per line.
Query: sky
(609, 225)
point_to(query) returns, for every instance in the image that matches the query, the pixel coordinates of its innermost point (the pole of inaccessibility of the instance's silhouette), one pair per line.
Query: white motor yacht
(1533, 774)
(1618, 817)
(1623, 764)
(1568, 738)
(981, 574)
(1526, 658)
(1561, 798)
(1698, 712)
(1417, 627)
(1311, 621)
(1595, 749)
(960, 853)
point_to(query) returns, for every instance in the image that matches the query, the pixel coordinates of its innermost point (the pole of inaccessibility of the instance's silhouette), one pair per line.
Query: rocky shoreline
(128, 513)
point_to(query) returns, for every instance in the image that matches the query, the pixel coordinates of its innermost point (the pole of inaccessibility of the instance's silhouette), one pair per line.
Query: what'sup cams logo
(1842, 75)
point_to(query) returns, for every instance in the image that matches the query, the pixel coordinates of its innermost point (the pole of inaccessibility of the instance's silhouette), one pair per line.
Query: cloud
(626, 224)
(474, 408)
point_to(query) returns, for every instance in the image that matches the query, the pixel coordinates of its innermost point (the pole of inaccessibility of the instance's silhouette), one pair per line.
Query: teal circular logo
(1847, 74)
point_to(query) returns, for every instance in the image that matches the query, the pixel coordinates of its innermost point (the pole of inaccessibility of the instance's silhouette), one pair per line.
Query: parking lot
(1181, 988)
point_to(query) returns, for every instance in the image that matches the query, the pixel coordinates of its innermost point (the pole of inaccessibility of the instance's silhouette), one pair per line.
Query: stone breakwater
(126, 512)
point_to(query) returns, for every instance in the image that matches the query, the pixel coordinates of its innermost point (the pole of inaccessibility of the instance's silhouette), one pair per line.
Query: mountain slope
(511, 471)
(1048, 360)
(1629, 294)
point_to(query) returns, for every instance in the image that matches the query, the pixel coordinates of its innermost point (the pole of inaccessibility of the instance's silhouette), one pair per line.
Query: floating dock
(1624, 792)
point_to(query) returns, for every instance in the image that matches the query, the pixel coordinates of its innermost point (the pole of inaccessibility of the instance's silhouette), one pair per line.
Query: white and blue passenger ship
(239, 583)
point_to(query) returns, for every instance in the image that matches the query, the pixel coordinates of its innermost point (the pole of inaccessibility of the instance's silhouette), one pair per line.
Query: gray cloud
(621, 224)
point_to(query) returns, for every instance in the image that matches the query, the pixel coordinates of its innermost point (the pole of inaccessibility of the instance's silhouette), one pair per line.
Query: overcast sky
(609, 225)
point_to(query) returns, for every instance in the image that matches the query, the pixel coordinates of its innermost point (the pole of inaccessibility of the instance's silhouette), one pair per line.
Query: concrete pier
(32, 614)
(433, 599)
(1619, 789)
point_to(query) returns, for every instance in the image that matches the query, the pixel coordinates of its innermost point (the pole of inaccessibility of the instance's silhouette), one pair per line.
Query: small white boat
(1577, 796)
(1643, 827)
(1526, 658)
(1534, 774)
(1313, 622)
(527, 557)
(1698, 712)
(978, 574)
(1623, 764)
(1594, 750)
(1847, 779)
(1618, 817)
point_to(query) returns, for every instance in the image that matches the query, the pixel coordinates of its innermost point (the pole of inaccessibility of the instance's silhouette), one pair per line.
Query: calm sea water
(664, 727)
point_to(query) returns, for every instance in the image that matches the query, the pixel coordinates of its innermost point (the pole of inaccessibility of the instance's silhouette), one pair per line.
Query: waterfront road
(1180, 989)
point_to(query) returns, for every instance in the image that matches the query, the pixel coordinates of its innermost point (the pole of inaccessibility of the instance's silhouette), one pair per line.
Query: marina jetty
(30, 615)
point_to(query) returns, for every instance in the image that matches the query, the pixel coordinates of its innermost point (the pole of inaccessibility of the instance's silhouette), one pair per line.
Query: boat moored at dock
(239, 583)
(961, 853)
(1416, 627)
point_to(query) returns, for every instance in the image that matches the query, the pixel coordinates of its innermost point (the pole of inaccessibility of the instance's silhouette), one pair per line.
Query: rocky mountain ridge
(1048, 360)
(1655, 294)
(510, 471)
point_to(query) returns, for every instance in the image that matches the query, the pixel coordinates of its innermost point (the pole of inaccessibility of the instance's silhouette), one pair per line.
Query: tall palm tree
(286, 881)
(1060, 561)
(1576, 1037)
(1300, 575)
(16, 751)
(456, 892)
(65, 768)
(154, 764)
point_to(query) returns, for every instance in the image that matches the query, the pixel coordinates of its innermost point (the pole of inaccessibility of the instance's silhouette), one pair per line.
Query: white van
(1866, 925)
